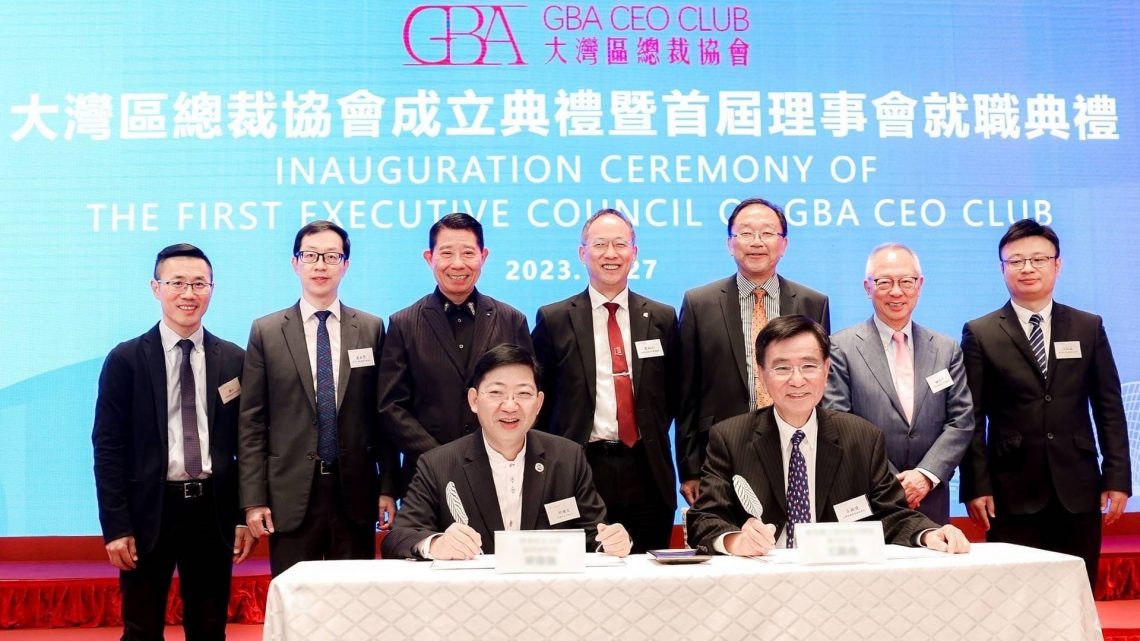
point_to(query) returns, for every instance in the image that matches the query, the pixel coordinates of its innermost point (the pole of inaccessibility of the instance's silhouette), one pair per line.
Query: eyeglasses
(600, 244)
(1038, 262)
(766, 236)
(499, 396)
(199, 286)
(807, 370)
(330, 258)
(906, 283)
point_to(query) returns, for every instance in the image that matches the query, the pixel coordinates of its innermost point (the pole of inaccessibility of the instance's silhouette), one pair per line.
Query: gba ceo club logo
(461, 35)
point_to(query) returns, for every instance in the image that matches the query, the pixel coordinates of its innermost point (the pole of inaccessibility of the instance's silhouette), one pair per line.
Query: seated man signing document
(803, 463)
(503, 477)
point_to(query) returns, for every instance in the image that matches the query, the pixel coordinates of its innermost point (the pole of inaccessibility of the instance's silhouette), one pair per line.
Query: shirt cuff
(930, 476)
(423, 548)
(718, 544)
(918, 537)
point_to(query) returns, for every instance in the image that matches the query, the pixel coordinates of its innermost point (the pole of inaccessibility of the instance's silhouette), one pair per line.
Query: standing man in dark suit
(310, 449)
(504, 476)
(802, 462)
(719, 324)
(1035, 367)
(427, 360)
(610, 365)
(165, 438)
(906, 380)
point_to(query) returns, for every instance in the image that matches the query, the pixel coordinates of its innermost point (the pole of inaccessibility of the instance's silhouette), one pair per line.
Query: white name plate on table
(860, 542)
(540, 551)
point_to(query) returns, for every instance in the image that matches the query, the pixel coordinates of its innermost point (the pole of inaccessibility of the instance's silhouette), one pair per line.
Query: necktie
(759, 320)
(1037, 342)
(904, 375)
(799, 507)
(326, 392)
(623, 385)
(191, 447)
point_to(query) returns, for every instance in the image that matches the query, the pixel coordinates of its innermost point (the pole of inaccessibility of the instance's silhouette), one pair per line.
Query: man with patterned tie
(165, 436)
(1035, 367)
(906, 380)
(316, 474)
(610, 366)
(719, 323)
(801, 461)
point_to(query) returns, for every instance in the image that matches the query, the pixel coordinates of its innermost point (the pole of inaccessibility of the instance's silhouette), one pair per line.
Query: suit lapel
(766, 444)
(828, 455)
(871, 350)
(349, 335)
(1012, 327)
(156, 368)
(534, 484)
(639, 322)
(485, 317)
(582, 322)
(293, 329)
(437, 321)
(730, 308)
(789, 303)
(213, 371)
(925, 357)
(481, 486)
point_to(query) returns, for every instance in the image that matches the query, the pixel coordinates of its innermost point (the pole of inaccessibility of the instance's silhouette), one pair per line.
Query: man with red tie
(610, 365)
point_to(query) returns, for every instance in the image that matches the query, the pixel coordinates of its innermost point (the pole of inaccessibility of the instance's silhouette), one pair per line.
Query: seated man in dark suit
(503, 475)
(802, 461)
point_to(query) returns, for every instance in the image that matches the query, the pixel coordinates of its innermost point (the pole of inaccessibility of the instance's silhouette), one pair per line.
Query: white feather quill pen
(458, 514)
(747, 497)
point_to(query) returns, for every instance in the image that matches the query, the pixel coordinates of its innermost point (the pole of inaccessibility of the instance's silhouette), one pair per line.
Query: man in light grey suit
(907, 380)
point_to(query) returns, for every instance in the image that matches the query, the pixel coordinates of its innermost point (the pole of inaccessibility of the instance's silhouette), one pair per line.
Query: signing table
(997, 591)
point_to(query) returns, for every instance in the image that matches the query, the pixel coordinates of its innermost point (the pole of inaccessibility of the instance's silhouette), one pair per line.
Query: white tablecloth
(997, 591)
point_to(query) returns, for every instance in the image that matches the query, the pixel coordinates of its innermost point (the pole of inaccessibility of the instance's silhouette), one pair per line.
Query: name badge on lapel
(649, 348)
(852, 510)
(362, 357)
(562, 511)
(1067, 349)
(229, 391)
(939, 381)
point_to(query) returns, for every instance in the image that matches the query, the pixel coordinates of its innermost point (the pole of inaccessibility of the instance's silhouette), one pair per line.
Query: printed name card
(860, 542)
(540, 551)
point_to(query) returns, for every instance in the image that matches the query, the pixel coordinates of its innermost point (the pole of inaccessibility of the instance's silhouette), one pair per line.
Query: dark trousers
(189, 540)
(326, 532)
(1053, 528)
(625, 482)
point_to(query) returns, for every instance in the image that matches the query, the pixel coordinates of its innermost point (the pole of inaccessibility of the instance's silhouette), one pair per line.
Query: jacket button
(311, 457)
(1049, 436)
(1048, 398)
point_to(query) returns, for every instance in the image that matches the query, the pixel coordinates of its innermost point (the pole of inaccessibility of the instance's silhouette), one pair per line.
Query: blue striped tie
(326, 392)
(1037, 343)
(799, 507)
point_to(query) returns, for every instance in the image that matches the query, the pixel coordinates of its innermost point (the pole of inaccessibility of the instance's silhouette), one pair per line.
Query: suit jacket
(131, 445)
(424, 377)
(850, 461)
(564, 344)
(564, 473)
(1033, 436)
(277, 448)
(943, 422)
(712, 340)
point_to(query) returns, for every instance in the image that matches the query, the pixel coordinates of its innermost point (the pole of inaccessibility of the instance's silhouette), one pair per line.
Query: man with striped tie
(1035, 367)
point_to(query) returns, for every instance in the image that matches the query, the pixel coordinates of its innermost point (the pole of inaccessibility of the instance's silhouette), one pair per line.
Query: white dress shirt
(605, 400)
(311, 322)
(172, 354)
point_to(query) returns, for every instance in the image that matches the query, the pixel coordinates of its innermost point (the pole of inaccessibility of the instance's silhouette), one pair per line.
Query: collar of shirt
(170, 338)
(468, 305)
(746, 287)
(810, 429)
(887, 334)
(308, 309)
(597, 299)
(1023, 314)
